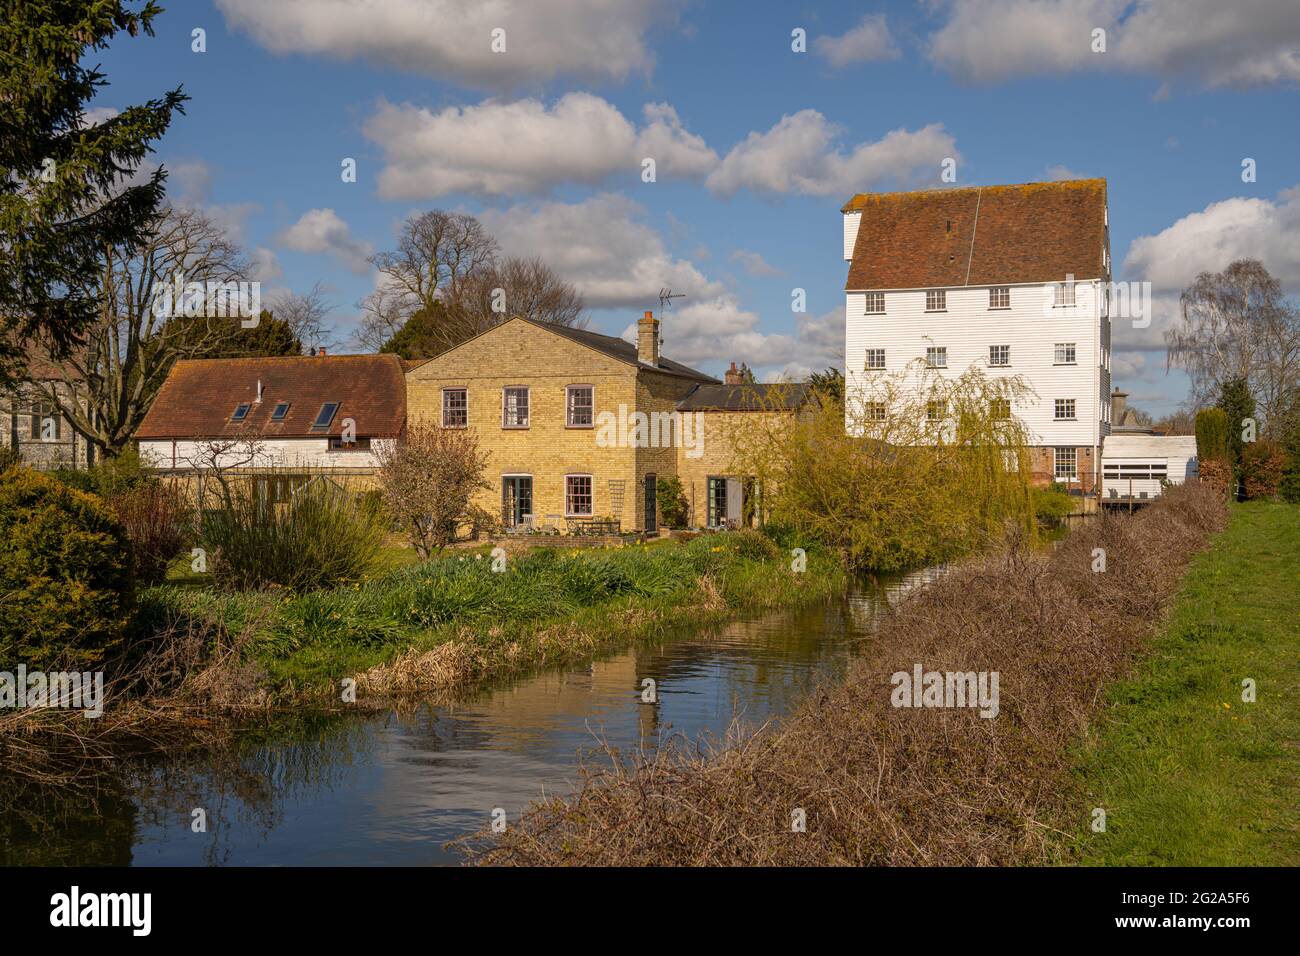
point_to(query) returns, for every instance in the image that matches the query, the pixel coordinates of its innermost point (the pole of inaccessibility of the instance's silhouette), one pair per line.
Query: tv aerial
(666, 297)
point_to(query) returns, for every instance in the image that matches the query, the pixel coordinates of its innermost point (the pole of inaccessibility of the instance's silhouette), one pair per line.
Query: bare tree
(1238, 324)
(435, 253)
(109, 382)
(526, 287)
(429, 479)
(305, 314)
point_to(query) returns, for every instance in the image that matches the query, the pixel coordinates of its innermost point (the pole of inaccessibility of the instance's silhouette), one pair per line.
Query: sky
(757, 139)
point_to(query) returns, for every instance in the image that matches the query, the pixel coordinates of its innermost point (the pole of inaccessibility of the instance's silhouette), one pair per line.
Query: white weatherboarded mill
(1134, 466)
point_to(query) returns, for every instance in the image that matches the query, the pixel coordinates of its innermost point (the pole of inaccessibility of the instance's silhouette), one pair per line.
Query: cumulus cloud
(602, 39)
(264, 265)
(322, 231)
(1057, 173)
(801, 154)
(753, 263)
(99, 114)
(603, 246)
(524, 146)
(870, 40)
(1245, 43)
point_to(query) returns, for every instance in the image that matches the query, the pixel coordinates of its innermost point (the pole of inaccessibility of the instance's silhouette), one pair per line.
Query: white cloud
(800, 154)
(1058, 172)
(99, 114)
(322, 231)
(264, 265)
(524, 146)
(1238, 44)
(869, 40)
(602, 39)
(603, 247)
(753, 263)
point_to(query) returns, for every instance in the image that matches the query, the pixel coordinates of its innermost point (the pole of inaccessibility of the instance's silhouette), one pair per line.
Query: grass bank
(854, 778)
(454, 621)
(1189, 774)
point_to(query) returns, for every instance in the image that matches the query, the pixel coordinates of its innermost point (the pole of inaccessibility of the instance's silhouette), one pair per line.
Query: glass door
(516, 500)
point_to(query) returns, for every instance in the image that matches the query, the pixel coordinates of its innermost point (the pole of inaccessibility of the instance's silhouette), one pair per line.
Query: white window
(514, 406)
(577, 495)
(455, 408)
(1065, 353)
(999, 355)
(1000, 409)
(875, 303)
(934, 411)
(936, 357)
(936, 300)
(1067, 462)
(580, 404)
(1064, 409)
(1064, 293)
(1000, 297)
(875, 411)
(875, 359)
(47, 419)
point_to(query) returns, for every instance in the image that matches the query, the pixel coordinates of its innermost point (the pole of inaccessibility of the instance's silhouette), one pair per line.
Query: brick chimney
(647, 340)
(1117, 405)
(733, 375)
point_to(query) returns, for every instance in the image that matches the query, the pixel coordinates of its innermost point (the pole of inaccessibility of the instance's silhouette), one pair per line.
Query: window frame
(464, 391)
(336, 443)
(873, 297)
(1059, 298)
(568, 406)
(999, 293)
(240, 414)
(868, 367)
(999, 405)
(932, 351)
(932, 407)
(1073, 408)
(528, 407)
(278, 405)
(1073, 461)
(319, 426)
(41, 410)
(591, 495)
(1057, 351)
(942, 298)
(869, 410)
(1006, 362)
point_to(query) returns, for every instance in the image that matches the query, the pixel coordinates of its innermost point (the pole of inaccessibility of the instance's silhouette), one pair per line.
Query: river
(392, 788)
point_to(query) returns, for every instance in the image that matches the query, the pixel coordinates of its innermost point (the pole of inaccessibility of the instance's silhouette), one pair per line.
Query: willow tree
(920, 470)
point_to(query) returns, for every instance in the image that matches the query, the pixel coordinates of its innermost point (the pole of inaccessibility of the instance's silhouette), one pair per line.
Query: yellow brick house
(557, 409)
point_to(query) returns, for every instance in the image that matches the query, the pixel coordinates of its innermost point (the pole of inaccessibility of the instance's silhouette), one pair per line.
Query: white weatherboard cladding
(1031, 327)
(286, 453)
(851, 222)
(1175, 453)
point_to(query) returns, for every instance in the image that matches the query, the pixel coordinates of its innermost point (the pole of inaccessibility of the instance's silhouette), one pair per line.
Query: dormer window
(240, 412)
(326, 415)
(281, 409)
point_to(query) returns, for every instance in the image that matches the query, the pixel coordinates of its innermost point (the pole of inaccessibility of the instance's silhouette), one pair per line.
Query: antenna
(666, 297)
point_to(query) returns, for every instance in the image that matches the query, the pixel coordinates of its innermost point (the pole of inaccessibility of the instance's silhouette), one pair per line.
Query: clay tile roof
(621, 349)
(199, 396)
(748, 397)
(987, 235)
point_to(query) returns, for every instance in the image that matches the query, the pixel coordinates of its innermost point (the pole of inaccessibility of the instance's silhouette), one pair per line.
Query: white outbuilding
(1135, 466)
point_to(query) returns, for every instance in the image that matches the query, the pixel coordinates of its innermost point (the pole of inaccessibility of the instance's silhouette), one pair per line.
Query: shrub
(672, 501)
(1289, 485)
(753, 545)
(428, 480)
(1051, 506)
(1216, 473)
(9, 458)
(323, 538)
(159, 521)
(1262, 465)
(1212, 434)
(108, 477)
(65, 574)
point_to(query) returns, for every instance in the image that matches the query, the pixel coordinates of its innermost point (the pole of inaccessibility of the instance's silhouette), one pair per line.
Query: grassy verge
(1189, 774)
(454, 621)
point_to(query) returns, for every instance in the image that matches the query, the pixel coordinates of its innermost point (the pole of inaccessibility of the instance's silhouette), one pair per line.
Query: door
(651, 505)
(516, 500)
(716, 516)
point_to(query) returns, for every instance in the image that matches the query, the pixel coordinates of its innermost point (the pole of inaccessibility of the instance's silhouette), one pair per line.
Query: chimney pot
(321, 350)
(733, 376)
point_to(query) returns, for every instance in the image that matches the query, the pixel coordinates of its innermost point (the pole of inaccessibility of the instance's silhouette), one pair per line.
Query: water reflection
(393, 788)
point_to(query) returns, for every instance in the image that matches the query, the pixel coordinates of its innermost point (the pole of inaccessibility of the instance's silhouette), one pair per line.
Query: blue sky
(756, 145)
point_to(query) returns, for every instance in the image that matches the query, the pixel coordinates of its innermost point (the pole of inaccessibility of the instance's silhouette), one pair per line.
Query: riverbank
(854, 778)
(1189, 773)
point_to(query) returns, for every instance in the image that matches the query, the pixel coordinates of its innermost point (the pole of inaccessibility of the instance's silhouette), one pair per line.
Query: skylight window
(240, 412)
(281, 409)
(326, 415)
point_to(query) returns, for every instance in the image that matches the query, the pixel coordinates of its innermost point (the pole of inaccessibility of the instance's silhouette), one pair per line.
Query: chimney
(733, 376)
(321, 351)
(647, 340)
(258, 400)
(1117, 403)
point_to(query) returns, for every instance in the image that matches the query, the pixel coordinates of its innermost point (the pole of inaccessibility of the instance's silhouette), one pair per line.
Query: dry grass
(892, 786)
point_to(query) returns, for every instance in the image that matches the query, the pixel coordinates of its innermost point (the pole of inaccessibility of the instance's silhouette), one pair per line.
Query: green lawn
(1188, 773)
